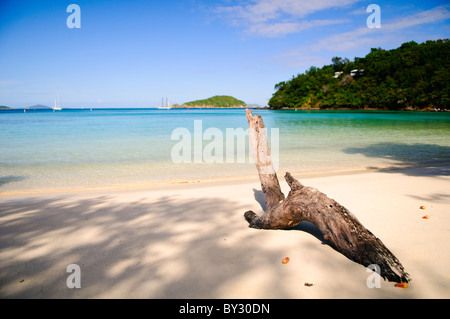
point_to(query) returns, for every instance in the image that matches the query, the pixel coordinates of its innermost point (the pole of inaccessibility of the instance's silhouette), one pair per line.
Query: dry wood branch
(338, 225)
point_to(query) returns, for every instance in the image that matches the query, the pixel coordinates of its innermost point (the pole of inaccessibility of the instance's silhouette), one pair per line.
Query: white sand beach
(191, 241)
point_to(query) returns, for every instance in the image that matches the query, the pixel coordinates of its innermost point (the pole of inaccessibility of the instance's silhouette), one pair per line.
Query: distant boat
(57, 107)
(166, 107)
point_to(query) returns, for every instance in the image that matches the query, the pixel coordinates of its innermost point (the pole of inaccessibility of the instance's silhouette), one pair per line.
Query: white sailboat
(57, 107)
(166, 107)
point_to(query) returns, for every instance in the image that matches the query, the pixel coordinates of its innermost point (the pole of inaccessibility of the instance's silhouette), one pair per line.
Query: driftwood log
(338, 225)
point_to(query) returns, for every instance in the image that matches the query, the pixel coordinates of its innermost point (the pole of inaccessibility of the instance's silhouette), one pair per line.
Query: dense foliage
(217, 101)
(413, 76)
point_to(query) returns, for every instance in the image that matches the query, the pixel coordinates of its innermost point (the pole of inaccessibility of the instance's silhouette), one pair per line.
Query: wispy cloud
(318, 53)
(363, 36)
(435, 15)
(282, 28)
(268, 18)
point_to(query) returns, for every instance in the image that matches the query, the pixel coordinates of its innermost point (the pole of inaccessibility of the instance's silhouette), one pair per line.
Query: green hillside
(411, 77)
(217, 101)
(2, 107)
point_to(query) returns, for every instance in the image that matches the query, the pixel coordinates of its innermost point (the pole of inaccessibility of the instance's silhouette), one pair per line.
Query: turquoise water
(44, 150)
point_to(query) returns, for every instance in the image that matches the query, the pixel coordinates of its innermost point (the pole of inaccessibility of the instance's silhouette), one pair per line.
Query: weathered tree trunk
(338, 225)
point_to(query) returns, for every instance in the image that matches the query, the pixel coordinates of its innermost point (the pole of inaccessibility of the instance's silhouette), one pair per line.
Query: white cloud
(365, 36)
(434, 15)
(359, 11)
(392, 32)
(276, 18)
(264, 10)
(283, 28)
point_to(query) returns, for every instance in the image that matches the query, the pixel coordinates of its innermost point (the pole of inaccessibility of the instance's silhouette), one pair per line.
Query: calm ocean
(46, 150)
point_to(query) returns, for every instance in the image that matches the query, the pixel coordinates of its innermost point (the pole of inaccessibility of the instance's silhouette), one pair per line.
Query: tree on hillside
(412, 76)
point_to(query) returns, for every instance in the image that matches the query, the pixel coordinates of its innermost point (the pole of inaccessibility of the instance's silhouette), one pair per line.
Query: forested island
(219, 101)
(411, 77)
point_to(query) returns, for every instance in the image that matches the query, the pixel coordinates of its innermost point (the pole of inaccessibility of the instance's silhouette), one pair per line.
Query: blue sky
(133, 53)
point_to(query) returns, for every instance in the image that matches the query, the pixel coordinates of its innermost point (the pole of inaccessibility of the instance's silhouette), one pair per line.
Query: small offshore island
(217, 101)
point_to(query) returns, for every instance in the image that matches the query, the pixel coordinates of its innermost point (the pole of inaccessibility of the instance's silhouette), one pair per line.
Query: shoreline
(364, 109)
(224, 180)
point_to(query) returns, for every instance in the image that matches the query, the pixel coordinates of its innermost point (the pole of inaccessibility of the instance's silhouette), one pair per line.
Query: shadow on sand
(413, 159)
(162, 248)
